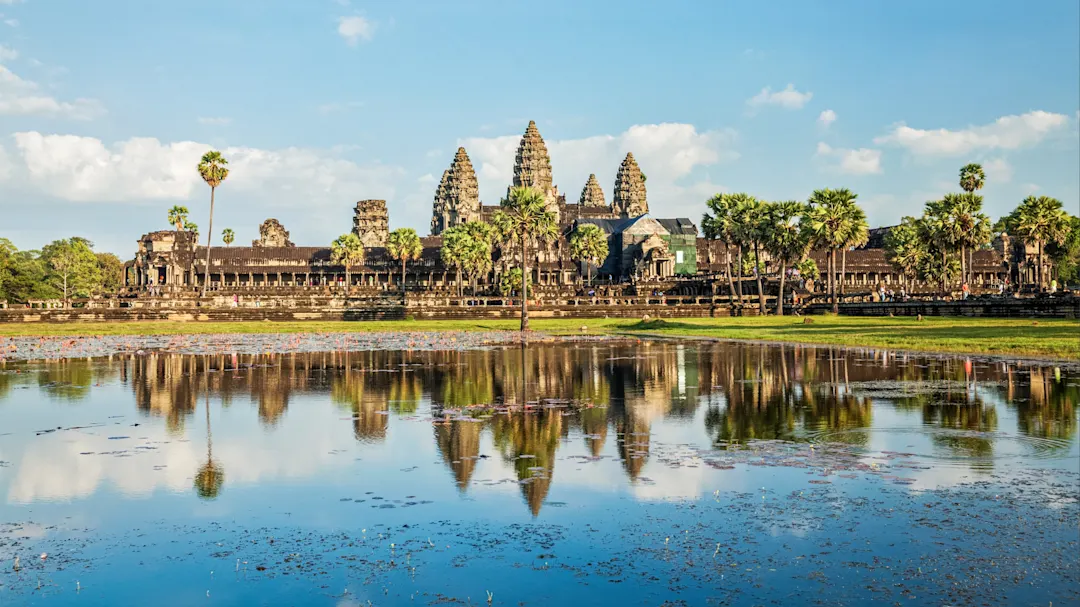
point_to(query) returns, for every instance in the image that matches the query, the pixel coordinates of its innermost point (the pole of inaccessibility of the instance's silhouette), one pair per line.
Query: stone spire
(591, 194)
(629, 199)
(371, 222)
(457, 199)
(532, 166)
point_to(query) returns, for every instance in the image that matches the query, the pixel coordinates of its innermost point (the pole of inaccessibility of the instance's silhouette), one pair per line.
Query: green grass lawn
(1047, 338)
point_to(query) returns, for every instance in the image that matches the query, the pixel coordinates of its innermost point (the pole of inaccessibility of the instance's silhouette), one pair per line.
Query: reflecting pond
(579, 472)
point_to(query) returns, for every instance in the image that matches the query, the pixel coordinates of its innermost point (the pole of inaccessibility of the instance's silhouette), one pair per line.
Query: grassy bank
(1048, 338)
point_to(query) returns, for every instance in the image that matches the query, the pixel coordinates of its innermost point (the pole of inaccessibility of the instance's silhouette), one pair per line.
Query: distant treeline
(62, 269)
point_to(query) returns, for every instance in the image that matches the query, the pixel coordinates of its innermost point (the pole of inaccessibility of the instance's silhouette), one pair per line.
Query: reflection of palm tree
(211, 476)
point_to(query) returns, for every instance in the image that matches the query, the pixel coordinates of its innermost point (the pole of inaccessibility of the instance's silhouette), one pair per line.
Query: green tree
(213, 170)
(1041, 220)
(228, 236)
(828, 219)
(750, 217)
(112, 274)
(588, 244)
(404, 245)
(510, 282)
(786, 240)
(480, 247)
(1066, 255)
(7, 268)
(24, 275)
(73, 267)
(720, 225)
(455, 250)
(347, 250)
(524, 217)
(191, 226)
(967, 228)
(972, 177)
(905, 248)
(178, 216)
(856, 233)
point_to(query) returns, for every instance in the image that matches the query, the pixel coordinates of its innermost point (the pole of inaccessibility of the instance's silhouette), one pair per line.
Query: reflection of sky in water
(347, 441)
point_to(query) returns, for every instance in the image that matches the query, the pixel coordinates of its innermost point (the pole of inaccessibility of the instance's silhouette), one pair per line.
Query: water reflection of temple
(613, 394)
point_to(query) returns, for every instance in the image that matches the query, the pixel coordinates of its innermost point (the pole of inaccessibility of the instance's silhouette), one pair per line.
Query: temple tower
(532, 167)
(371, 222)
(592, 195)
(629, 199)
(272, 234)
(457, 199)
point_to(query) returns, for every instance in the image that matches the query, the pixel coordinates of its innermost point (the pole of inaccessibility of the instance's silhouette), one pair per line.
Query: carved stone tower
(371, 222)
(532, 166)
(629, 199)
(272, 234)
(457, 199)
(592, 195)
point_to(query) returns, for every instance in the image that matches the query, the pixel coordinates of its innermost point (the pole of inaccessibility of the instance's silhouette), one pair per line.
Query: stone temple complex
(667, 253)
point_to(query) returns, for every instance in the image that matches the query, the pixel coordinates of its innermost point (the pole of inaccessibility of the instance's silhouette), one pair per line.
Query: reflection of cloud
(52, 469)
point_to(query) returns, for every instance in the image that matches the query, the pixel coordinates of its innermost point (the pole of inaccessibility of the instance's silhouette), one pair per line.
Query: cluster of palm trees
(1040, 221)
(787, 231)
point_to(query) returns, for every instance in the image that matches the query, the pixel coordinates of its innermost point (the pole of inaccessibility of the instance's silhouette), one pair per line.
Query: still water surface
(585, 472)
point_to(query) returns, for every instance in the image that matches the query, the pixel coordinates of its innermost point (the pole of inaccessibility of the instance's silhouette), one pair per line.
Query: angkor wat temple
(642, 250)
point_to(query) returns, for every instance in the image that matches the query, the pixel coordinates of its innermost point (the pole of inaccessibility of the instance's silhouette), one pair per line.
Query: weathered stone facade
(629, 199)
(457, 199)
(272, 234)
(592, 195)
(371, 222)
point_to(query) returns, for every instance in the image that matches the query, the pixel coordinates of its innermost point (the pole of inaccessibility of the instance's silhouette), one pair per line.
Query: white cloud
(863, 161)
(355, 29)
(1005, 133)
(217, 121)
(667, 153)
(85, 169)
(12, 22)
(22, 97)
(998, 170)
(788, 98)
(7, 54)
(826, 118)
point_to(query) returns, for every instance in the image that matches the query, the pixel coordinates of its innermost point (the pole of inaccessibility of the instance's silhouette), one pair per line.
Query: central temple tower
(457, 199)
(532, 167)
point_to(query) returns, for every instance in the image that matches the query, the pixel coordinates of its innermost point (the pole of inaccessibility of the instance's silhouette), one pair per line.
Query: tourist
(965, 291)
(1053, 286)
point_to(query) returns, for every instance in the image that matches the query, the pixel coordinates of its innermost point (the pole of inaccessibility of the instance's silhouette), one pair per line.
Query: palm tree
(786, 240)
(742, 212)
(937, 229)
(856, 233)
(1042, 220)
(213, 171)
(210, 477)
(348, 251)
(178, 216)
(972, 177)
(190, 226)
(588, 244)
(905, 249)
(228, 236)
(479, 249)
(404, 245)
(827, 218)
(750, 216)
(455, 244)
(721, 226)
(524, 217)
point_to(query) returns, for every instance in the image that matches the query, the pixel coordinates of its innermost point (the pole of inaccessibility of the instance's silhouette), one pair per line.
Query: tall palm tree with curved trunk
(524, 217)
(178, 216)
(404, 245)
(213, 170)
(347, 250)
(720, 225)
(1042, 220)
(588, 244)
(228, 236)
(786, 240)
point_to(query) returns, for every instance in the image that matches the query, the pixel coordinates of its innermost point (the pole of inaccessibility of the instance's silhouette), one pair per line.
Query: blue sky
(105, 106)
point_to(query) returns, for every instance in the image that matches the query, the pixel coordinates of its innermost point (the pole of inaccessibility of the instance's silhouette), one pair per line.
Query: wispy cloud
(789, 98)
(862, 161)
(1005, 133)
(7, 54)
(355, 29)
(826, 118)
(23, 97)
